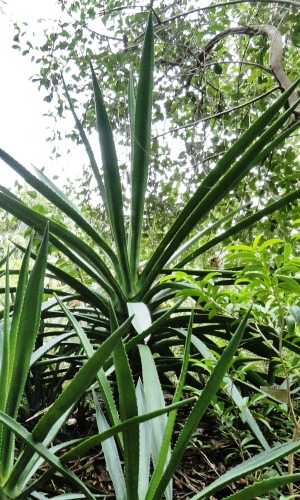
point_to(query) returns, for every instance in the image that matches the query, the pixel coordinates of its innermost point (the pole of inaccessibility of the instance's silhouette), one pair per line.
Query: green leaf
(111, 454)
(128, 409)
(264, 486)
(141, 148)
(295, 311)
(164, 454)
(155, 400)
(104, 385)
(145, 441)
(20, 344)
(112, 183)
(268, 243)
(227, 173)
(50, 422)
(88, 148)
(246, 223)
(249, 466)
(141, 316)
(200, 407)
(42, 451)
(93, 441)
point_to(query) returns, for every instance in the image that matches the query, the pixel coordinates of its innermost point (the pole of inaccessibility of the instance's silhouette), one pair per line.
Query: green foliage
(210, 85)
(108, 279)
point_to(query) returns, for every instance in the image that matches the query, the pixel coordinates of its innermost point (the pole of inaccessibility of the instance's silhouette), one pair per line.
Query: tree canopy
(217, 67)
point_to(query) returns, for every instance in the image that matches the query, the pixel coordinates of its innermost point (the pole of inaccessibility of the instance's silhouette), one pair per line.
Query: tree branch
(218, 115)
(275, 56)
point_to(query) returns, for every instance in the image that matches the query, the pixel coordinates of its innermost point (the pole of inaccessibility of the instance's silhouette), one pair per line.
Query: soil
(204, 461)
(210, 454)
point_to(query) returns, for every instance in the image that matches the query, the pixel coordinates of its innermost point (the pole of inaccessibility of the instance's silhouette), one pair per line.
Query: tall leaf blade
(87, 146)
(163, 456)
(244, 224)
(71, 394)
(41, 450)
(38, 221)
(145, 442)
(200, 407)
(112, 183)
(104, 385)
(52, 193)
(141, 147)
(155, 400)
(128, 409)
(111, 454)
(197, 206)
(23, 332)
(264, 486)
(254, 463)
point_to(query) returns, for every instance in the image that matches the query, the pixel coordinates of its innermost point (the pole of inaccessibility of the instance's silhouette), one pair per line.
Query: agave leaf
(88, 148)
(38, 222)
(128, 409)
(249, 466)
(41, 351)
(164, 454)
(111, 454)
(42, 451)
(155, 400)
(213, 227)
(264, 486)
(141, 148)
(64, 403)
(89, 293)
(141, 317)
(247, 222)
(200, 407)
(90, 442)
(19, 344)
(234, 393)
(112, 183)
(101, 377)
(145, 441)
(52, 193)
(217, 183)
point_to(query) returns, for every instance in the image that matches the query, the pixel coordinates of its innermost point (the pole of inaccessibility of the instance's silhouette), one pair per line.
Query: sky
(23, 129)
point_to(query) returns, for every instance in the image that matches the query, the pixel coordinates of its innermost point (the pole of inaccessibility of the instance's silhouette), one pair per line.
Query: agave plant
(122, 287)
